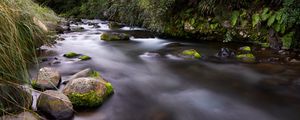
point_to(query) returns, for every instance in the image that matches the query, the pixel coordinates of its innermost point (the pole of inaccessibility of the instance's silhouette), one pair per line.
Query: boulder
(245, 49)
(55, 105)
(22, 116)
(88, 91)
(248, 58)
(114, 36)
(191, 53)
(47, 78)
(84, 73)
(71, 55)
(225, 53)
(85, 57)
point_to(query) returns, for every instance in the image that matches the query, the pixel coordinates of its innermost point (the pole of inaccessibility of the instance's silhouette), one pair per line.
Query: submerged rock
(77, 29)
(249, 58)
(85, 57)
(88, 92)
(114, 36)
(225, 53)
(174, 44)
(71, 55)
(55, 105)
(22, 116)
(47, 78)
(191, 53)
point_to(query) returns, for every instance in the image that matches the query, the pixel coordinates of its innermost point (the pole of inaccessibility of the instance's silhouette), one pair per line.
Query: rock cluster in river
(245, 55)
(114, 36)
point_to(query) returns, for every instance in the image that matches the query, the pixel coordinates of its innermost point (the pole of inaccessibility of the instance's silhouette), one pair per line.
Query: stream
(151, 83)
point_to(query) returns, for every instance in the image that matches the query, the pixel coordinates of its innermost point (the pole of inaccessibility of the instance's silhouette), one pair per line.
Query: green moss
(90, 99)
(246, 57)
(94, 74)
(114, 37)
(34, 84)
(265, 45)
(246, 49)
(114, 25)
(192, 52)
(71, 55)
(85, 57)
(105, 36)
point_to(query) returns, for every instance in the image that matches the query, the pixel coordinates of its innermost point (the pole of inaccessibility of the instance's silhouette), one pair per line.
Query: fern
(287, 40)
(234, 17)
(255, 19)
(271, 20)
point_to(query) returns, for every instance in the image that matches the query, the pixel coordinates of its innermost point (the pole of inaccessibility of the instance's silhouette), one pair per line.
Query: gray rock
(55, 105)
(47, 78)
(83, 73)
(88, 92)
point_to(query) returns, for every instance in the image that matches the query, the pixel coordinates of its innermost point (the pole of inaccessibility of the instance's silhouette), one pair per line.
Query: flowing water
(163, 86)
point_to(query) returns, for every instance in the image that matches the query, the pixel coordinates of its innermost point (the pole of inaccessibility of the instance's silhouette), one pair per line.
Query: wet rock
(60, 39)
(71, 55)
(55, 62)
(55, 105)
(88, 92)
(191, 53)
(97, 26)
(245, 49)
(22, 116)
(225, 53)
(248, 58)
(84, 73)
(47, 78)
(115, 25)
(114, 36)
(85, 57)
(283, 52)
(295, 61)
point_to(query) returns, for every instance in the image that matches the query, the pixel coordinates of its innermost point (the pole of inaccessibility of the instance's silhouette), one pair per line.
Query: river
(152, 83)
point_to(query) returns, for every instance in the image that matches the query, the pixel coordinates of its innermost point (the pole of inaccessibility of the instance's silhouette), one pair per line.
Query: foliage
(20, 36)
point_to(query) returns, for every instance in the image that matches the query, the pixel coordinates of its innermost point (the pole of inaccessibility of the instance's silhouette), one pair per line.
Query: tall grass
(20, 36)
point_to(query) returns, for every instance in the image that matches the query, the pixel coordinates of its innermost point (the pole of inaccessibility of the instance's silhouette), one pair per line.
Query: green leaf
(278, 15)
(234, 17)
(287, 40)
(271, 20)
(192, 21)
(277, 27)
(265, 11)
(255, 19)
(282, 30)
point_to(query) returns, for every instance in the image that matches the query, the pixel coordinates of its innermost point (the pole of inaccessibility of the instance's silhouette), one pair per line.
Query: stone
(47, 78)
(84, 73)
(55, 105)
(85, 57)
(249, 58)
(191, 53)
(88, 91)
(225, 53)
(115, 25)
(245, 49)
(114, 36)
(71, 55)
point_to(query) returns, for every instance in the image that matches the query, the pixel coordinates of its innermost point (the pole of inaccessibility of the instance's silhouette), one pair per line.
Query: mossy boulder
(245, 49)
(114, 36)
(47, 78)
(191, 53)
(55, 105)
(85, 57)
(71, 55)
(88, 91)
(115, 25)
(249, 58)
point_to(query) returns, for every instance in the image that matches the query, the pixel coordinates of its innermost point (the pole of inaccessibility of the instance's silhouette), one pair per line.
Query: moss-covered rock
(249, 58)
(88, 92)
(115, 25)
(191, 53)
(114, 36)
(85, 57)
(71, 55)
(245, 49)
(55, 105)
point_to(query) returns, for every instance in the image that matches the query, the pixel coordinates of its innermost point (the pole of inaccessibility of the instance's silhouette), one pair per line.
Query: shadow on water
(165, 87)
